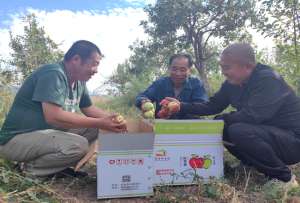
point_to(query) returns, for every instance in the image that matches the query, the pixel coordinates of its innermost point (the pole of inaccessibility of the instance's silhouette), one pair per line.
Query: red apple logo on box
(199, 162)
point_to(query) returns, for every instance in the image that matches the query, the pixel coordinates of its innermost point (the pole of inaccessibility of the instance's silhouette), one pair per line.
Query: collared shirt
(192, 91)
(264, 99)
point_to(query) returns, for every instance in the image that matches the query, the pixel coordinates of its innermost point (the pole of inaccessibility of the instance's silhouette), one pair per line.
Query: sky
(113, 25)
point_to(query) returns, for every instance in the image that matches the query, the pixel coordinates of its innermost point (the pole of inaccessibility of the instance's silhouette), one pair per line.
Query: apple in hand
(163, 113)
(147, 106)
(173, 107)
(164, 102)
(118, 119)
(149, 114)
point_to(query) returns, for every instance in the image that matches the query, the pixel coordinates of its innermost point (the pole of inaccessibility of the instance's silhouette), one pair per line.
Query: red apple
(173, 107)
(163, 113)
(164, 102)
(196, 162)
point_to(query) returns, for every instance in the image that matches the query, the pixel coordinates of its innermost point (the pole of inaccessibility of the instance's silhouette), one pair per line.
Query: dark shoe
(68, 172)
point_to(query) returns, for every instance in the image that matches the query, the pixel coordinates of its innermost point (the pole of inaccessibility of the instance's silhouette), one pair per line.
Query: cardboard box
(185, 150)
(125, 162)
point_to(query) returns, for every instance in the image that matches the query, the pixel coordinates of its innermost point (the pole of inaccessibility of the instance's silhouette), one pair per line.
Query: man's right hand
(108, 123)
(171, 99)
(173, 105)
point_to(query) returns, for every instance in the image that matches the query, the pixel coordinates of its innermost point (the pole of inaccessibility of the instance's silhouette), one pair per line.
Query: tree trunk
(199, 62)
(203, 76)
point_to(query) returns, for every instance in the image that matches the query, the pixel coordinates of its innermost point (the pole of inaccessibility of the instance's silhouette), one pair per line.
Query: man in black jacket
(265, 128)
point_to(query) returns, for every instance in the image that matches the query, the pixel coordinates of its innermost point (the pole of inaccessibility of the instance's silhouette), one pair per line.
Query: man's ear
(76, 59)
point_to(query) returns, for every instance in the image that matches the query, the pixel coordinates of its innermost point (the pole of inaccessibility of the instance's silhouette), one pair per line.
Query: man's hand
(224, 116)
(109, 123)
(171, 99)
(173, 105)
(169, 106)
(57, 117)
(219, 117)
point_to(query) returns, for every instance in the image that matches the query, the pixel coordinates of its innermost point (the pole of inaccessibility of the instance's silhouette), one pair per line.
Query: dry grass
(241, 185)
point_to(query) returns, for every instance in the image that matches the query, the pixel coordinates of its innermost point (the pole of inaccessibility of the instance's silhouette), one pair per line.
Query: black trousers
(269, 149)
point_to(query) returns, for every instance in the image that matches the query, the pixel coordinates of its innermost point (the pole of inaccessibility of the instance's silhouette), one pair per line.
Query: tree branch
(214, 17)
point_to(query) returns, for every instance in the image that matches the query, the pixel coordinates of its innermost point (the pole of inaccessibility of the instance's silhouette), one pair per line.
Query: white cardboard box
(128, 166)
(125, 163)
(185, 150)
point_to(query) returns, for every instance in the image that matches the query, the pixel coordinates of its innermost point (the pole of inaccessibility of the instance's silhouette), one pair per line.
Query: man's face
(235, 73)
(179, 70)
(86, 69)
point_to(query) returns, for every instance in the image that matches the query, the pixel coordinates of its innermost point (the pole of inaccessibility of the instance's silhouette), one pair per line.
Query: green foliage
(17, 188)
(274, 191)
(6, 98)
(280, 19)
(287, 62)
(33, 48)
(192, 24)
(294, 192)
(215, 80)
(7, 75)
(142, 66)
(184, 26)
(124, 103)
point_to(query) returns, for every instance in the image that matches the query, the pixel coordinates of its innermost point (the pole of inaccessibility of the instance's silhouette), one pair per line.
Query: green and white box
(125, 165)
(186, 150)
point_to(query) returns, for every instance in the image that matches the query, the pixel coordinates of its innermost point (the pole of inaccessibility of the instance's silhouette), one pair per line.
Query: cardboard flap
(129, 141)
(136, 126)
(92, 150)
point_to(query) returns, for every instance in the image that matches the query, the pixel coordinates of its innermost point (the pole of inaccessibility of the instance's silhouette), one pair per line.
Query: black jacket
(264, 99)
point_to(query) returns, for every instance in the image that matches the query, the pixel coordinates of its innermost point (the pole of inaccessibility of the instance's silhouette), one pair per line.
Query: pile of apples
(148, 110)
(168, 108)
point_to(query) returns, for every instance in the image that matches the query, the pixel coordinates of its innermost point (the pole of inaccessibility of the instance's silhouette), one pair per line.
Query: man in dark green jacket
(265, 128)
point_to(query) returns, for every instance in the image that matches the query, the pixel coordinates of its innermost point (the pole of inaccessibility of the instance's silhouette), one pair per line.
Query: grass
(240, 185)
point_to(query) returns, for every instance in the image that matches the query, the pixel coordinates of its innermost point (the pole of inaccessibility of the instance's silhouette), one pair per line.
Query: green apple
(149, 114)
(147, 106)
(207, 162)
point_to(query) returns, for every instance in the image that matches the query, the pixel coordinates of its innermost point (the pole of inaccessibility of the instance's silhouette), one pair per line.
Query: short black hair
(182, 55)
(83, 48)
